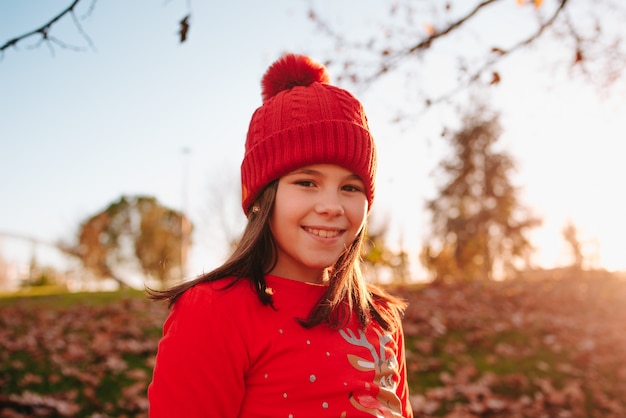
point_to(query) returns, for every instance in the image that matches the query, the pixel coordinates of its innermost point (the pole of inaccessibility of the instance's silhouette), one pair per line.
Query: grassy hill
(523, 348)
(532, 348)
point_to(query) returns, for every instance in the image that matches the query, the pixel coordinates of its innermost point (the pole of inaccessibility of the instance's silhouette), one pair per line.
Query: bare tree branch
(45, 37)
(426, 43)
(497, 56)
(80, 27)
(43, 31)
(525, 42)
(592, 32)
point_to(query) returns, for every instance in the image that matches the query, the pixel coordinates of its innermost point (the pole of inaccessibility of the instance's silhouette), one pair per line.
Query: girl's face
(318, 212)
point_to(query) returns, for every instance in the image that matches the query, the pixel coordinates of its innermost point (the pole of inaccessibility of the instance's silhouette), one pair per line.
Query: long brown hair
(256, 254)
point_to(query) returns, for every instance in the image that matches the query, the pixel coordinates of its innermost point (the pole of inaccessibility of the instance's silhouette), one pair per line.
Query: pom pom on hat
(304, 121)
(290, 71)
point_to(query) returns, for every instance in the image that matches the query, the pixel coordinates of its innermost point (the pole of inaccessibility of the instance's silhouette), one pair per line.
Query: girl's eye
(351, 188)
(305, 183)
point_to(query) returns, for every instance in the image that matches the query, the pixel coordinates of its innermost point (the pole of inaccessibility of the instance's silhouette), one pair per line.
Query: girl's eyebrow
(355, 177)
(310, 171)
(306, 171)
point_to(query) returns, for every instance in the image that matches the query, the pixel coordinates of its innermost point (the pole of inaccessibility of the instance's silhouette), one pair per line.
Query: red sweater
(223, 354)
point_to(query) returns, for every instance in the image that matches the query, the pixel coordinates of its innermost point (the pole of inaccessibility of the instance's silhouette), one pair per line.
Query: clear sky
(79, 129)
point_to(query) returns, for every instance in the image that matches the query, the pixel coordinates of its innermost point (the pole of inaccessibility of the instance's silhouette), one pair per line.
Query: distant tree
(163, 241)
(584, 37)
(570, 235)
(135, 233)
(377, 257)
(478, 221)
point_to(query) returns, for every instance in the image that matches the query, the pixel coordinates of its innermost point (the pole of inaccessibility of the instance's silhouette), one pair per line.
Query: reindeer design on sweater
(379, 400)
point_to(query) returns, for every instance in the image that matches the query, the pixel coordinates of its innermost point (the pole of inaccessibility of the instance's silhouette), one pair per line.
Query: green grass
(92, 352)
(57, 297)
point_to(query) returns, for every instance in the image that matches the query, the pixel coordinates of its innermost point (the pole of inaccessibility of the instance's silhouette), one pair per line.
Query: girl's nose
(329, 204)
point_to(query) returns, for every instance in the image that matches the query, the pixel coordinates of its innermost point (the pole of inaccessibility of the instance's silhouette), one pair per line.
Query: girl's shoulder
(226, 292)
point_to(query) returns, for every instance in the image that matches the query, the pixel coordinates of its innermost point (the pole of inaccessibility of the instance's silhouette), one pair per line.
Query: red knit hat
(304, 121)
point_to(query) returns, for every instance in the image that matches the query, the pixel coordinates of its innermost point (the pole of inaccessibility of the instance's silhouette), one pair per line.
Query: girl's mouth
(323, 233)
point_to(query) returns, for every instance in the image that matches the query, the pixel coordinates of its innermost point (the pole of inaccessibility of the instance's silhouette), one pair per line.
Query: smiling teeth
(323, 233)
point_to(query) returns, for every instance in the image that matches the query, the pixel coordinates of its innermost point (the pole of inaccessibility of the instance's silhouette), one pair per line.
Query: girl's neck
(321, 277)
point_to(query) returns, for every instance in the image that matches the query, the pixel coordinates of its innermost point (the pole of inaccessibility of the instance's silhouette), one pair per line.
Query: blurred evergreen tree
(478, 222)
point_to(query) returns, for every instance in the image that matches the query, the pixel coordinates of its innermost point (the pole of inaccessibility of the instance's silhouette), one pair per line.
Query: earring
(256, 209)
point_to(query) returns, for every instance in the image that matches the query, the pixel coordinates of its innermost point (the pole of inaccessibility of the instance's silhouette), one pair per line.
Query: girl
(287, 327)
